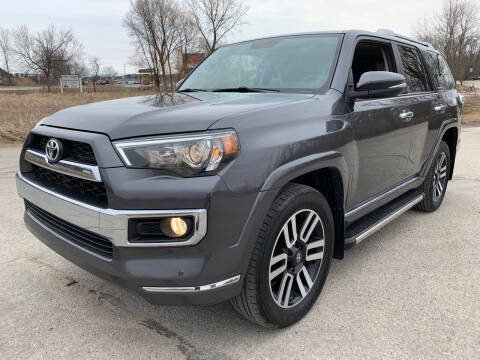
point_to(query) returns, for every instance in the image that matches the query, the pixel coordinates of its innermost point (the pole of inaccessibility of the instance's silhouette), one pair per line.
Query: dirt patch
(19, 113)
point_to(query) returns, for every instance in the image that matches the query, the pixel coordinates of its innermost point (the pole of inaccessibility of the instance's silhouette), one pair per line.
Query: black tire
(431, 199)
(257, 301)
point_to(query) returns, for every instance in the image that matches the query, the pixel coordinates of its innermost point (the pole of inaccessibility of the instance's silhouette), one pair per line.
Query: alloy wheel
(440, 177)
(296, 258)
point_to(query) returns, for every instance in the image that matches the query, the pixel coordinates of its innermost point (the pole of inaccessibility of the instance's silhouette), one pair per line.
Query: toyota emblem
(54, 150)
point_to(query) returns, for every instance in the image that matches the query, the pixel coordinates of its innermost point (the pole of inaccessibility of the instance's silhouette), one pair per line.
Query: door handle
(406, 115)
(440, 108)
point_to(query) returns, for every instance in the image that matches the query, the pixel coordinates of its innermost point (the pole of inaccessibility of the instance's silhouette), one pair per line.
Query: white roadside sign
(70, 82)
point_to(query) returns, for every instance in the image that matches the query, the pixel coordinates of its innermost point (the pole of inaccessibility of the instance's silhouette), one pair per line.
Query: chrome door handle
(407, 115)
(440, 108)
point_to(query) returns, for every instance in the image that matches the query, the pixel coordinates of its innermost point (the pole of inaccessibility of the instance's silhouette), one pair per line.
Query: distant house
(3, 77)
(190, 61)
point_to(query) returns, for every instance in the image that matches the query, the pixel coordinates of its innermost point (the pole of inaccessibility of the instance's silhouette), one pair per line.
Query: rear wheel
(436, 181)
(291, 258)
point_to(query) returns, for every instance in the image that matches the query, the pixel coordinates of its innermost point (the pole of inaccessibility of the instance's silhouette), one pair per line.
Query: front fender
(291, 170)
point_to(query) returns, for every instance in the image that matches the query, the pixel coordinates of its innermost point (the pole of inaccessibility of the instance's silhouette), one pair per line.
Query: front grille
(80, 189)
(81, 237)
(72, 150)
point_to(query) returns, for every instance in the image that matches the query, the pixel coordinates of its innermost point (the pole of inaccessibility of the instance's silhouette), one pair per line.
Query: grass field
(19, 113)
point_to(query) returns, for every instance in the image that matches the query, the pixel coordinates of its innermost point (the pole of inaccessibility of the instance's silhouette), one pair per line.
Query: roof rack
(403, 37)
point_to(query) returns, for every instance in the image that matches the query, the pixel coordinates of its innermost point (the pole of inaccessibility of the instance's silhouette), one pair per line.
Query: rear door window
(445, 76)
(413, 70)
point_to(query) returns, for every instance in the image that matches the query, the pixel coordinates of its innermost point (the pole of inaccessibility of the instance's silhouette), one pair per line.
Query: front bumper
(112, 224)
(205, 272)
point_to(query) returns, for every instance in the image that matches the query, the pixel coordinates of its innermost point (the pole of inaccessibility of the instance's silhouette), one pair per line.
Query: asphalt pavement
(411, 291)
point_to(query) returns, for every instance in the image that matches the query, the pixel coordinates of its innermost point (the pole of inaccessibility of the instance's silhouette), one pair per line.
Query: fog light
(174, 227)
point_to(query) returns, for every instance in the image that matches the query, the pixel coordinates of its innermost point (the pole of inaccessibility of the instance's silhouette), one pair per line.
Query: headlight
(189, 154)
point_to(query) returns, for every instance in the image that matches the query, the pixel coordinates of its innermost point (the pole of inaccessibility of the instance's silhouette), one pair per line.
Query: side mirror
(378, 84)
(179, 83)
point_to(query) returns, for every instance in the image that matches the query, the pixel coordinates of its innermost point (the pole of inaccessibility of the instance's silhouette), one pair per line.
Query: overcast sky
(98, 23)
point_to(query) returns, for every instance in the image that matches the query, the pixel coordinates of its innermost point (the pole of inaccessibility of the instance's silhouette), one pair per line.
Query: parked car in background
(270, 158)
(102, 82)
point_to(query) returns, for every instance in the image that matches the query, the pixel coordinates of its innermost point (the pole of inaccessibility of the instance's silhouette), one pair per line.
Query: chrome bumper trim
(192, 289)
(110, 223)
(82, 171)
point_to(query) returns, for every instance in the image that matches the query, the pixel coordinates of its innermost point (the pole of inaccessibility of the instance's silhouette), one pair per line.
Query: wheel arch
(328, 181)
(451, 138)
(327, 173)
(448, 132)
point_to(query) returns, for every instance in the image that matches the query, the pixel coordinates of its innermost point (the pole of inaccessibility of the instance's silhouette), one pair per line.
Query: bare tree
(155, 28)
(178, 25)
(78, 68)
(49, 51)
(109, 72)
(189, 38)
(216, 18)
(454, 31)
(6, 49)
(94, 71)
(142, 27)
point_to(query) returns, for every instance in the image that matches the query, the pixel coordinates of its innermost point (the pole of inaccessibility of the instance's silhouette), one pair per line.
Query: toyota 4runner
(268, 160)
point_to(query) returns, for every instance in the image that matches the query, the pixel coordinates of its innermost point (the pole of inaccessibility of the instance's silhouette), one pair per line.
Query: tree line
(455, 31)
(164, 33)
(50, 53)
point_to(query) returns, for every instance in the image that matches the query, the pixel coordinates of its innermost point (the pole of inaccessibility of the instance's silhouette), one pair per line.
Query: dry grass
(20, 113)
(471, 109)
(24, 82)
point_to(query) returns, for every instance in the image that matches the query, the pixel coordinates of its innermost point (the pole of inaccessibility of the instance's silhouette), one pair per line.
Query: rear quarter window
(445, 76)
(439, 69)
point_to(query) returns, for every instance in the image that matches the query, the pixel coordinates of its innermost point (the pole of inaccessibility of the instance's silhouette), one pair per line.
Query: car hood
(163, 113)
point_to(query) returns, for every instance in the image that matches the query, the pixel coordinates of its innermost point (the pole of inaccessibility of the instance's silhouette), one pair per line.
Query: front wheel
(436, 181)
(291, 258)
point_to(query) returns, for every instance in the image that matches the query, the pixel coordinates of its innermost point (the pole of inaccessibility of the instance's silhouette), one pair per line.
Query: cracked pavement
(411, 290)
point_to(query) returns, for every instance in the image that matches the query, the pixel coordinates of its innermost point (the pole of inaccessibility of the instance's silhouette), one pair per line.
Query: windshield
(296, 63)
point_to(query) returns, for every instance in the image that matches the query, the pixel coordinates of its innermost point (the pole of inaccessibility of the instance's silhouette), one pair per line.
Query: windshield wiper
(245, 89)
(192, 90)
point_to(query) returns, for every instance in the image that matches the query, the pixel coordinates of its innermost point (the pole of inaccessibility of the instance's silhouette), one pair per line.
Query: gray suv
(269, 159)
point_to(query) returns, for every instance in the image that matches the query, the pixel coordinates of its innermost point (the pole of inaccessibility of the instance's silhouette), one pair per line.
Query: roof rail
(403, 37)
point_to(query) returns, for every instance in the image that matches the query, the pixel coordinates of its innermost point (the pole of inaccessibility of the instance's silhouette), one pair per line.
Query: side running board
(373, 222)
